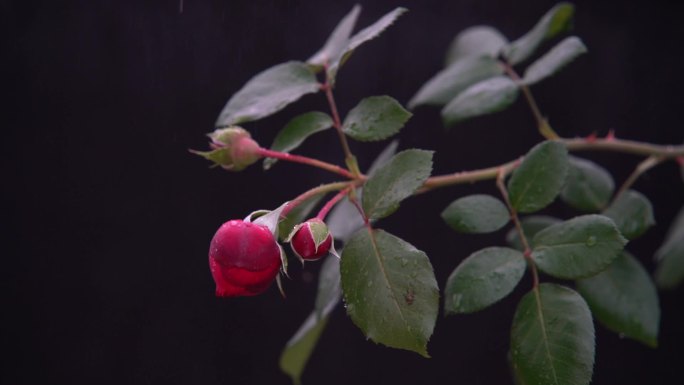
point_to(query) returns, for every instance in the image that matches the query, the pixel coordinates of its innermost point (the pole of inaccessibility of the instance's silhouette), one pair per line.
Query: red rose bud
(244, 259)
(232, 148)
(311, 240)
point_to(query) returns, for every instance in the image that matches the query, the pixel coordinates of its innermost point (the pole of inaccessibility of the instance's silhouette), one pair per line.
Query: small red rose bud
(232, 148)
(244, 259)
(311, 240)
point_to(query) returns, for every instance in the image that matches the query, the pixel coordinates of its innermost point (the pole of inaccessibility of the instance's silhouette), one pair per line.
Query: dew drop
(591, 241)
(456, 299)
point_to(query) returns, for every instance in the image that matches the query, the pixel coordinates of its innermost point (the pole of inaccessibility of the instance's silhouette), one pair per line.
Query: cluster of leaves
(389, 287)
(552, 336)
(479, 79)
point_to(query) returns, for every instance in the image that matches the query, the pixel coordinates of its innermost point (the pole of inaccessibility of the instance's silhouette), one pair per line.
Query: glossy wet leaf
(485, 97)
(363, 36)
(482, 279)
(588, 186)
(298, 350)
(395, 181)
(552, 338)
(531, 225)
(344, 219)
(337, 41)
(553, 61)
(555, 21)
(268, 92)
(297, 131)
(624, 299)
(632, 212)
(476, 41)
(670, 256)
(577, 248)
(539, 178)
(375, 118)
(390, 290)
(329, 289)
(451, 81)
(476, 214)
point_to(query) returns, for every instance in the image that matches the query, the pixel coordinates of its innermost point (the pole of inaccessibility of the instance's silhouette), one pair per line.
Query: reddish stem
(527, 253)
(331, 203)
(337, 122)
(306, 160)
(322, 189)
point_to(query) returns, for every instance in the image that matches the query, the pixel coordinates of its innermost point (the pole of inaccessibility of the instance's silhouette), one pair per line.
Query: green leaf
(478, 41)
(670, 256)
(670, 271)
(297, 131)
(555, 21)
(531, 226)
(375, 118)
(577, 248)
(476, 214)
(329, 290)
(269, 92)
(297, 215)
(539, 178)
(482, 279)
(485, 97)
(558, 57)
(385, 156)
(588, 186)
(337, 41)
(390, 290)
(298, 350)
(395, 181)
(345, 219)
(361, 37)
(624, 299)
(632, 212)
(449, 82)
(552, 338)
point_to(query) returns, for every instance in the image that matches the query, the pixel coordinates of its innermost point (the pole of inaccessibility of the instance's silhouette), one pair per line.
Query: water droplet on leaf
(591, 241)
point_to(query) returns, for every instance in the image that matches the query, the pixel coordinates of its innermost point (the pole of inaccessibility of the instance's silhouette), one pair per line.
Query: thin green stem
(542, 124)
(349, 158)
(576, 144)
(527, 253)
(463, 177)
(624, 146)
(641, 168)
(306, 160)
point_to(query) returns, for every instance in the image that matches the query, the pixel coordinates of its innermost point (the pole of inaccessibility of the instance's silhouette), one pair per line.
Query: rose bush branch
(387, 284)
(661, 152)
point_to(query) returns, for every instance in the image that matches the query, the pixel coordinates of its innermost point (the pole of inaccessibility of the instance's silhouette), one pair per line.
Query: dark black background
(108, 217)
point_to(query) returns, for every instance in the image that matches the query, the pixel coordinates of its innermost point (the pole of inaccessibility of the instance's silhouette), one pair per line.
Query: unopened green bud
(232, 148)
